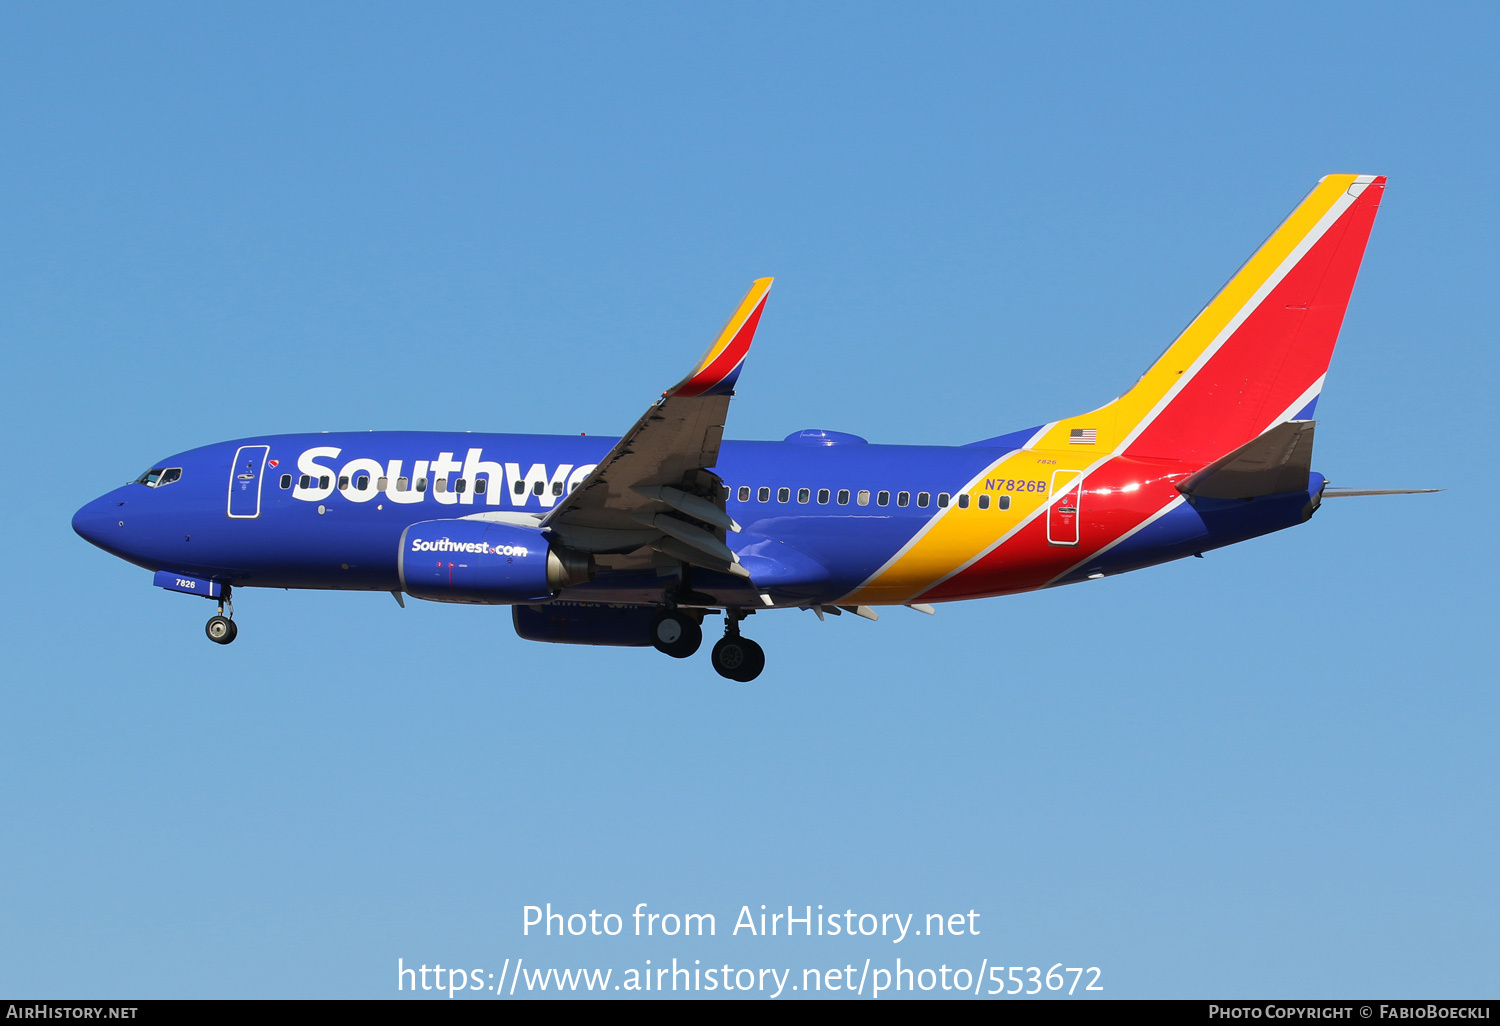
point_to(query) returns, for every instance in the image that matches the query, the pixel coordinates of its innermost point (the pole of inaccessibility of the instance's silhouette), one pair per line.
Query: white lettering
(309, 467)
(494, 475)
(440, 478)
(474, 548)
(398, 488)
(355, 473)
(441, 468)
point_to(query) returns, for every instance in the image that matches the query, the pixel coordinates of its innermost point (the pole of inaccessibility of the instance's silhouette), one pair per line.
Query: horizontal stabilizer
(1278, 461)
(1348, 493)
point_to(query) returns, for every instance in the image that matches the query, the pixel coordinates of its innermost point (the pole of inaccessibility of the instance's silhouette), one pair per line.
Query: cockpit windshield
(158, 476)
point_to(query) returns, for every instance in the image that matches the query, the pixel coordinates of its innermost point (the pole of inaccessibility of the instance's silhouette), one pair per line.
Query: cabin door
(1062, 515)
(244, 481)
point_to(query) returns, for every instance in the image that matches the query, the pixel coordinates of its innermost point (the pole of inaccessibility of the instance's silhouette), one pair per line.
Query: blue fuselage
(328, 511)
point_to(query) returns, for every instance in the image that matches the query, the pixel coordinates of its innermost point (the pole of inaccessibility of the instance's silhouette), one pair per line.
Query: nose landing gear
(220, 628)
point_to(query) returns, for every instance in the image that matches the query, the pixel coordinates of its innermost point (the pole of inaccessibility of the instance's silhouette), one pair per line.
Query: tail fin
(1256, 356)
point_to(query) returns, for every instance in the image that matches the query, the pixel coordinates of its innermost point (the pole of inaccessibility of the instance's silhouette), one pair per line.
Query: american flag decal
(1083, 436)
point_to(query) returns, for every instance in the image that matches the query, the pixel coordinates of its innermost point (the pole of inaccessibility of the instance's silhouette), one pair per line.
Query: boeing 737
(635, 540)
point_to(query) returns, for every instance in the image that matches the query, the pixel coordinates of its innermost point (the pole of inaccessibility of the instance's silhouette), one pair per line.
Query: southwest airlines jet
(633, 541)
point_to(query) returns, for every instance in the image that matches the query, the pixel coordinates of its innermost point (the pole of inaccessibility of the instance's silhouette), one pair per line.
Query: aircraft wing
(655, 487)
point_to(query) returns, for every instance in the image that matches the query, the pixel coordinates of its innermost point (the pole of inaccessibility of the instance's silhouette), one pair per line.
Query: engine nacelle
(584, 623)
(484, 563)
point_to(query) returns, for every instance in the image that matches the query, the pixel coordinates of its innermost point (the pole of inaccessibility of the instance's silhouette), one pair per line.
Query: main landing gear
(220, 628)
(679, 635)
(676, 634)
(738, 658)
(735, 657)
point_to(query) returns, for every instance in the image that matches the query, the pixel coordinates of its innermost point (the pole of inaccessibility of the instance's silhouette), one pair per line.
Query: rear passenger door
(1062, 515)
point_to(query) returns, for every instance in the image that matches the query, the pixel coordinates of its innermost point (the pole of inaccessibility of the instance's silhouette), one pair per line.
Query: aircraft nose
(93, 521)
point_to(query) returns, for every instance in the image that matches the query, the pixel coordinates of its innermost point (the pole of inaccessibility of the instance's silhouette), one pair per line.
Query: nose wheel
(220, 629)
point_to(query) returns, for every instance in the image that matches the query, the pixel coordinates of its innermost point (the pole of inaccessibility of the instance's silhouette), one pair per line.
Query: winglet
(720, 367)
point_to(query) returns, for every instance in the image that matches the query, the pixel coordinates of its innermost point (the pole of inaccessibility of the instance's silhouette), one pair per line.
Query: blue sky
(1271, 772)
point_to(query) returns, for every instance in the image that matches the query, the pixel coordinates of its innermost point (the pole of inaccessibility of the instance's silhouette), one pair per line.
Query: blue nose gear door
(244, 481)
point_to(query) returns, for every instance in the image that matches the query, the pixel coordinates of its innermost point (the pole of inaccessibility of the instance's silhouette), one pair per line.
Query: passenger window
(480, 485)
(843, 496)
(440, 485)
(764, 495)
(304, 482)
(963, 501)
(984, 502)
(421, 484)
(401, 484)
(903, 498)
(1003, 502)
(323, 481)
(557, 487)
(783, 495)
(286, 481)
(923, 499)
(520, 488)
(744, 495)
(864, 497)
(461, 486)
(942, 500)
(823, 495)
(343, 481)
(363, 484)
(803, 494)
(538, 488)
(883, 498)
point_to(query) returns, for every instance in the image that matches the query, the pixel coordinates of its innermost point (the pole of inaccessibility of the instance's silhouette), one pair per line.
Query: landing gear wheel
(738, 658)
(220, 629)
(676, 634)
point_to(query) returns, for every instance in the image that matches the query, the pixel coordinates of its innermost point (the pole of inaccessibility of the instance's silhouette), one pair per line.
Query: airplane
(634, 541)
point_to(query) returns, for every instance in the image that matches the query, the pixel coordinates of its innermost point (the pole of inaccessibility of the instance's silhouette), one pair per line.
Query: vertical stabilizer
(1256, 356)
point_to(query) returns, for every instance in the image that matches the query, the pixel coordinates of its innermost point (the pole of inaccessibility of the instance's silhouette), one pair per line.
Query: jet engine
(584, 623)
(483, 563)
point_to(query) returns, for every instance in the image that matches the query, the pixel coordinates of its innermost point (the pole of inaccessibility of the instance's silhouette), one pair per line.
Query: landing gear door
(1062, 515)
(245, 475)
